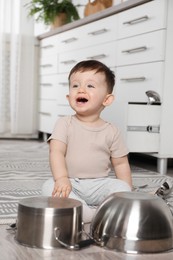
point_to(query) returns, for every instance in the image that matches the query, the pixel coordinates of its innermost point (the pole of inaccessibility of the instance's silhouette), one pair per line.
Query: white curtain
(18, 106)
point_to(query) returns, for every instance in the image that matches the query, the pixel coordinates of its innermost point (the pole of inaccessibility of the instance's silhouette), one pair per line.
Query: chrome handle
(101, 31)
(46, 65)
(46, 84)
(63, 105)
(73, 39)
(149, 128)
(81, 244)
(47, 46)
(45, 113)
(61, 115)
(64, 84)
(99, 56)
(133, 79)
(137, 20)
(134, 50)
(66, 62)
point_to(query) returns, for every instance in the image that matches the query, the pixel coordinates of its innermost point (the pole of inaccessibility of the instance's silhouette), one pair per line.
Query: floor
(11, 250)
(149, 162)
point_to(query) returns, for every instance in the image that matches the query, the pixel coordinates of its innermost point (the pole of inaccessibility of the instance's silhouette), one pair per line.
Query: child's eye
(74, 86)
(90, 86)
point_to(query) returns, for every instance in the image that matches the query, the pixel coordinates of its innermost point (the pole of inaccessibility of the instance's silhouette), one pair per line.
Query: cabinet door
(133, 81)
(91, 34)
(47, 116)
(48, 86)
(142, 19)
(143, 128)
(141, 49)
(62, 90)
(105, 53)
(63, 110)
(48, 46)
(49, 65)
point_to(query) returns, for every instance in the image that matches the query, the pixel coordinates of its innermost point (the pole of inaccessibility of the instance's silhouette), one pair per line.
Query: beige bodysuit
(88, 149)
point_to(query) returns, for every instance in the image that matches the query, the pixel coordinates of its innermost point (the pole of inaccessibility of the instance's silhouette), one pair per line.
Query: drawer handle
(73, 39)
(46, 84)
(66, 62)
(64, 84)
(149, 128)
(137, 20)
(134, 79)
(63, 105)
(46, 65)
(134, 50)
(61, 115)
(45, 113)
(99, 56)
(98, 32)
(47, 46)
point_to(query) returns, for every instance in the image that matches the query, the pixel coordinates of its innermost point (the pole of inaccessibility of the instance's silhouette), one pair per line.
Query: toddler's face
(87, 92)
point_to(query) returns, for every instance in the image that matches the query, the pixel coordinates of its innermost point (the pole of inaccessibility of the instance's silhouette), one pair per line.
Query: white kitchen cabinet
(137, 44)
(144, 60)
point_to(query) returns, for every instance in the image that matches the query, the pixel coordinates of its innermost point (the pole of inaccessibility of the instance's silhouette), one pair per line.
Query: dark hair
(99, 67)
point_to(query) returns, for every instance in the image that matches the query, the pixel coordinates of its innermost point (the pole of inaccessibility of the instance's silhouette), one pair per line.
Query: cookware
(153, 97)
(164, 190)
(133, 222)
(38, 217)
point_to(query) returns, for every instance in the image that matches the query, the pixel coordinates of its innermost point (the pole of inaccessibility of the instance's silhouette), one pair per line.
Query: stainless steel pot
(133, 222)
(39, 217)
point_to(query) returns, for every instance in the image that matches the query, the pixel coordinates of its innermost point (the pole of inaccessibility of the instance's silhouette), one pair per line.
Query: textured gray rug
(24, 167)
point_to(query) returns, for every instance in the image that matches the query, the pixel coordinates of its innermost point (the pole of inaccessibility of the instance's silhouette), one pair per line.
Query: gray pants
(91, 192)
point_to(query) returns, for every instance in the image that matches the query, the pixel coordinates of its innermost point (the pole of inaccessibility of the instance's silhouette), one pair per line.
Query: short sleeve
(118, 147)
(60, 131)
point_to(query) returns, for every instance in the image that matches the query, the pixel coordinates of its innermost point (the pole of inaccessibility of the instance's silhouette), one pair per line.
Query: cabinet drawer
(47, 115)
(143, 115)
(48, 87)
(140, 49)
(54, 87)
(105, 53)
(63, 90)
(63, 110)
(48, 46)
(88, 35)
(133, 81)
(143, 127)
(144, 18)
(49, 65)
(142, 142)
(47, 107)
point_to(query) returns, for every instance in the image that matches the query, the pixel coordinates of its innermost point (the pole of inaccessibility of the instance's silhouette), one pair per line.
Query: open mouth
(82, 100)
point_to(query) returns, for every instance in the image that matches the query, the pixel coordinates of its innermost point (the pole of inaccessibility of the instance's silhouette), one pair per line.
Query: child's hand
(62, 187)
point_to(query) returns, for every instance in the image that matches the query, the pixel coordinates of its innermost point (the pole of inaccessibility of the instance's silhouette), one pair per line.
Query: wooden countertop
(94, 17)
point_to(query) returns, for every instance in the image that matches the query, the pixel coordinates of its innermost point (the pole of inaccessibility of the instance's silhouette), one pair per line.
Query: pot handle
(80, 245)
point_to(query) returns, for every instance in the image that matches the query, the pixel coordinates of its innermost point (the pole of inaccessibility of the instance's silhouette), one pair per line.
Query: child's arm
(57, 150)
(122, 169)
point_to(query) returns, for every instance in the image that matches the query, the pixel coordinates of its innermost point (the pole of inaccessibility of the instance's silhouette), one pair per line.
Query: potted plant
(51, 11)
